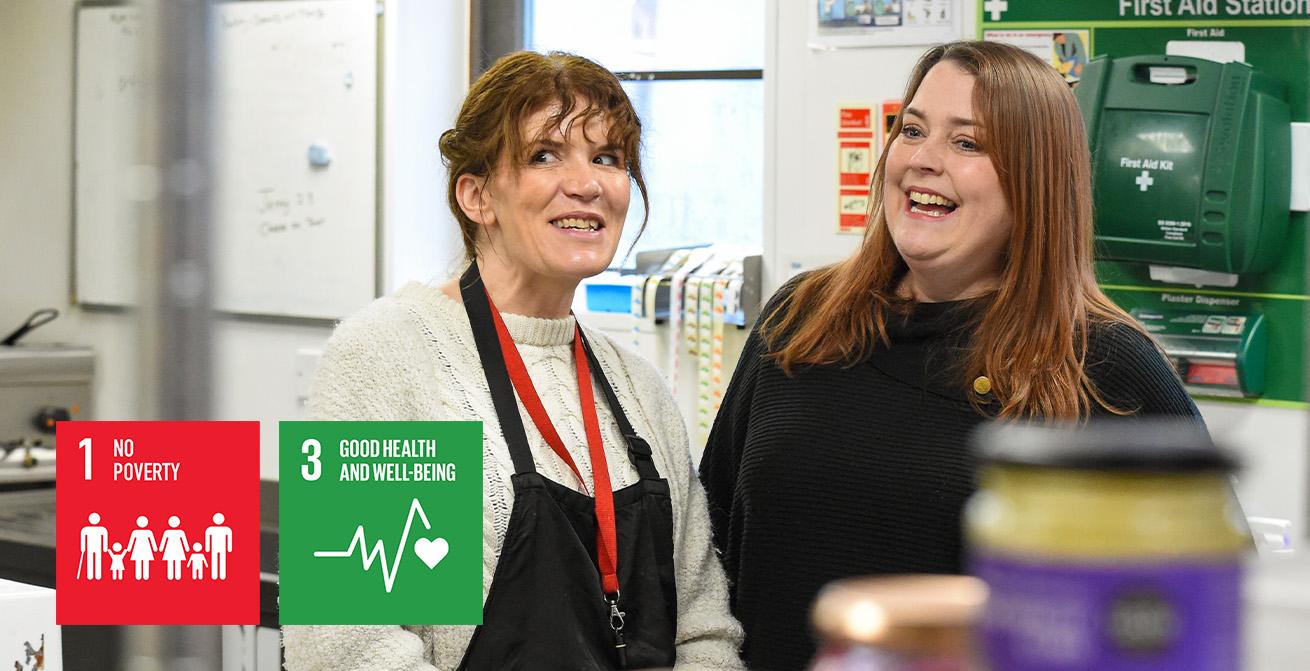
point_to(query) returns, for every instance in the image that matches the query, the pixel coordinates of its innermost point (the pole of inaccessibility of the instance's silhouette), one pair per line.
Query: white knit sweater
(411, 357)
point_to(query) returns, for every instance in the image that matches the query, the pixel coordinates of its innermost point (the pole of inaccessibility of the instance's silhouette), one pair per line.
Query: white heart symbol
(431, 551)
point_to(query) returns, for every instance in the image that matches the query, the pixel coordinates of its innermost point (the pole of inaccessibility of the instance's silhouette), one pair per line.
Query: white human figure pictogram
(95, 539)
(116, 565)
(141, 545)
(173, 544)
(218, 542)
(197, 562)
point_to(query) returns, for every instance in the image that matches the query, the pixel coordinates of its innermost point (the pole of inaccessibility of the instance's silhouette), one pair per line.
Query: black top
(836, 472)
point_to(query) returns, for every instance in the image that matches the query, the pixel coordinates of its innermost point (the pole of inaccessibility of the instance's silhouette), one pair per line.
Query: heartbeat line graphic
(379, 548)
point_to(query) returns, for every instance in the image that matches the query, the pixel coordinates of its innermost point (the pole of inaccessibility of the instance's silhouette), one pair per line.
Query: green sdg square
(380, 523)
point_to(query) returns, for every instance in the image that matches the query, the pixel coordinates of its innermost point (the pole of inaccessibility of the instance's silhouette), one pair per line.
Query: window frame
(500, 27)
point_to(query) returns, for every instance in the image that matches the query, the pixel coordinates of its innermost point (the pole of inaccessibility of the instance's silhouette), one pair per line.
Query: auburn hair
(489, 130)
(1031, 338)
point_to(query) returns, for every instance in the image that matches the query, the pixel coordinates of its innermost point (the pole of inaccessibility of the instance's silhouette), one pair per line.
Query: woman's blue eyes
(915, 133)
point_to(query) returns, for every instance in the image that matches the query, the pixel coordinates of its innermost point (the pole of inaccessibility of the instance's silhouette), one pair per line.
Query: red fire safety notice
(855, 161)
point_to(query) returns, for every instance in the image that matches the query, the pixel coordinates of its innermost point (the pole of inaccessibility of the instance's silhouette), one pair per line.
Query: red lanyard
(606, 537)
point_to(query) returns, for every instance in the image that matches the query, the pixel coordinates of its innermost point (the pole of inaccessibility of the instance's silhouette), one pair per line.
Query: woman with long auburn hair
(841, 445)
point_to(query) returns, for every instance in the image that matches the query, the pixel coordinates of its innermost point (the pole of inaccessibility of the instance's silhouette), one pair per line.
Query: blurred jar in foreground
(898, 623)
(1114, 546)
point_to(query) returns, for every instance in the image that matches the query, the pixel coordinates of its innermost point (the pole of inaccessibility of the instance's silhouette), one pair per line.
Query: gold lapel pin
(981, 385)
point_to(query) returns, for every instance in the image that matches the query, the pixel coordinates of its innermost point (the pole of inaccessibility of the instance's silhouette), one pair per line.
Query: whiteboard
(104, 141)
(292, 236)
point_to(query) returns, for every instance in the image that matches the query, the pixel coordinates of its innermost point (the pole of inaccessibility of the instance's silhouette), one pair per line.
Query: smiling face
(555, 215)
(945, 209)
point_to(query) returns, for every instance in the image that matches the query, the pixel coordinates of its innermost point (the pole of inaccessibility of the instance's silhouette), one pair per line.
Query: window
(694, 72)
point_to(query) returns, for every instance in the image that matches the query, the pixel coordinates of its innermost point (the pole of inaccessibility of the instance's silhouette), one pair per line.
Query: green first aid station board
(1274, 37)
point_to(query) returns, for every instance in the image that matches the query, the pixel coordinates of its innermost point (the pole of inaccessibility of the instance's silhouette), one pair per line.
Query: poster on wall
(1066, 50)
(890, 110)
(838, 24)
(857, 147)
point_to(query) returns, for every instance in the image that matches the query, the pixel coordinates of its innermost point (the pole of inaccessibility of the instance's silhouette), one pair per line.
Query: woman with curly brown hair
(841, 445)
(596, 541)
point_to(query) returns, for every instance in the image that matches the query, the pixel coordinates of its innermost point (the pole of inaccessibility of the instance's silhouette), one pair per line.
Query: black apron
(546, 608)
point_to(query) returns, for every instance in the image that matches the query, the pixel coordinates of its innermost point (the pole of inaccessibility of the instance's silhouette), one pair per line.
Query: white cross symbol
(996, 7)
(1145, 180)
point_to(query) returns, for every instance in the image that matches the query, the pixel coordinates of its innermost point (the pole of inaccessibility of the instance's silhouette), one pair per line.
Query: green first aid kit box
(1191, 162)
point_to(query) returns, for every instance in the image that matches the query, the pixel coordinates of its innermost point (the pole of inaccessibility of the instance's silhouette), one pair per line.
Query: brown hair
(489, 128)
(1031, 340)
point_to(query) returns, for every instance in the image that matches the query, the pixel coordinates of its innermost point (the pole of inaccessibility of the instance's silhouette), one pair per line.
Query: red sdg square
(158, 523)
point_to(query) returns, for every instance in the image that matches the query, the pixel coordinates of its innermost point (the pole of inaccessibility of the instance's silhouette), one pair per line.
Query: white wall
(425, 61)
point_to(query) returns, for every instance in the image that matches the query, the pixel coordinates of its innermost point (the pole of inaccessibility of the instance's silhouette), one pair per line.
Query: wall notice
(856, 157)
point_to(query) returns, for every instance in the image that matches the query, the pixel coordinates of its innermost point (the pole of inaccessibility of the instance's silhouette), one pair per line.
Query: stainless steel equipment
(39, 386)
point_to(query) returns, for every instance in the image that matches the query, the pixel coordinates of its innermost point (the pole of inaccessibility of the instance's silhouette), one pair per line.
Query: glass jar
(897, 623)
(1114, 546)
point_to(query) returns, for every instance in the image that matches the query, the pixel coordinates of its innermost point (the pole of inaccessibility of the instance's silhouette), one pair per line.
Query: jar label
(1062, 616)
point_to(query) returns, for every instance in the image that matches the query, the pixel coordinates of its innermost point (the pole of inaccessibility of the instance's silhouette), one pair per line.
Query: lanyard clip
(616, 623)
(616, 615)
